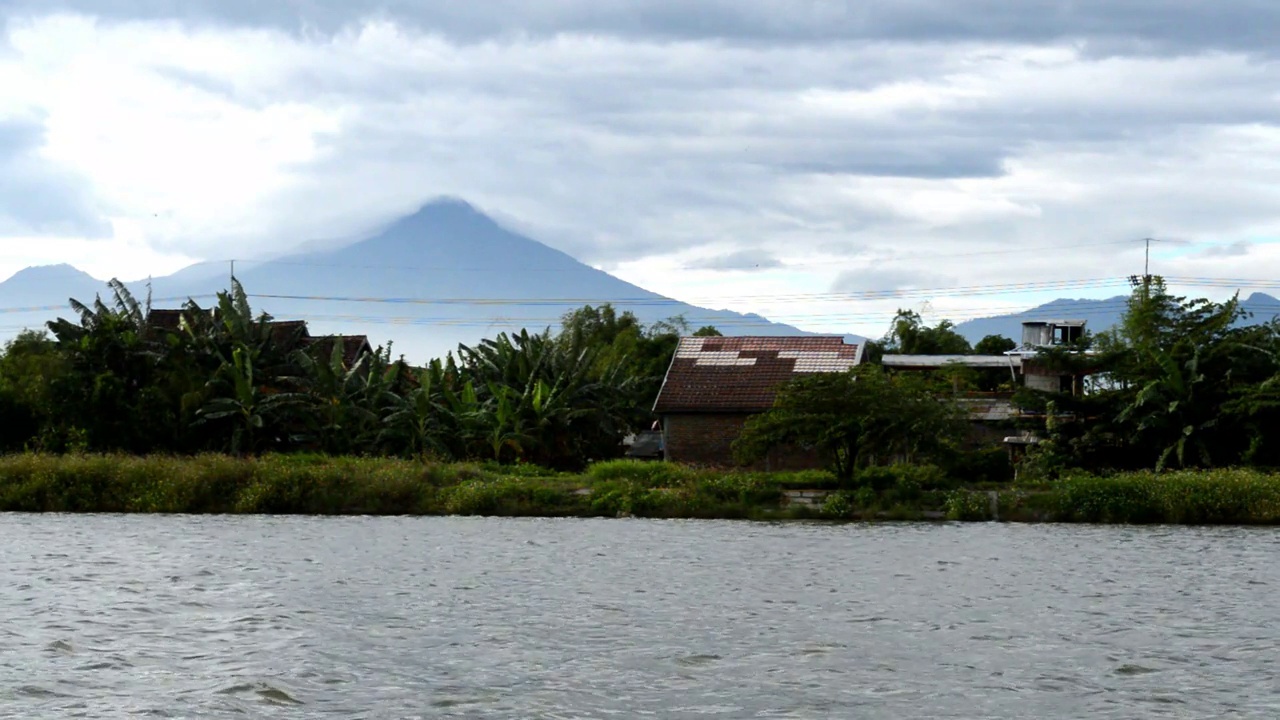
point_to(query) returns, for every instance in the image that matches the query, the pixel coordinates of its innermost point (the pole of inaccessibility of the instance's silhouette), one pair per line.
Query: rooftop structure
(1048, 333)
(742, 374)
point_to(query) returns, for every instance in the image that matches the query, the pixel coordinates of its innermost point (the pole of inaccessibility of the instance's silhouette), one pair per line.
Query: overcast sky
(738, 153)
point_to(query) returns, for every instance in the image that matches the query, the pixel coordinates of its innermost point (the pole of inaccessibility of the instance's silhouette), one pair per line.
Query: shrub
(837, 505)
(903, 482)
(969, 505)
(877, 478)
(805, 479)
(518, 469)
(1214, 496)
(987, 464)
(647, 474)
(746, 488)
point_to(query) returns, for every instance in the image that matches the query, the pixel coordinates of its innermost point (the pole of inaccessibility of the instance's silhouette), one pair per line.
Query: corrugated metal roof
(742, 374)
(926, 362)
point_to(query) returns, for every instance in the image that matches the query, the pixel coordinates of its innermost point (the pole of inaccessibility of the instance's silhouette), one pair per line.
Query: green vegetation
(1188, 497)
(224, 380)
(1178, 384)
(322, 485)
(230, 412)
(854, 418)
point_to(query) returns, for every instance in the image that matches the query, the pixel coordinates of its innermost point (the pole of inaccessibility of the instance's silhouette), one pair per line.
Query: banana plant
(249, 405)
(339, 415)
(1167, 410)
(418, 420)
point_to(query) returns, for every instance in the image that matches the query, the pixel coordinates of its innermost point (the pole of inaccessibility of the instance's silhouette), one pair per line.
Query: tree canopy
(909, 335)
(854, 418)
(224, 379)
(1177, 383)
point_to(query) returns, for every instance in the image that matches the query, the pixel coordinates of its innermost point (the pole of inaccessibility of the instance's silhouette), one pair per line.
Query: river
(164, 616)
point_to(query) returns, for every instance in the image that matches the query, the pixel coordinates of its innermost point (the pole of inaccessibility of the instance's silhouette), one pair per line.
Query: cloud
(1239, 248)
(873, 146)
(39, 197)
(1152, 26)
(885, 278)
(740, 260)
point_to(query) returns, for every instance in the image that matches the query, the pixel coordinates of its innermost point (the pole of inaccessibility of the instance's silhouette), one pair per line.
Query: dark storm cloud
(1156, 26)
(36, 197)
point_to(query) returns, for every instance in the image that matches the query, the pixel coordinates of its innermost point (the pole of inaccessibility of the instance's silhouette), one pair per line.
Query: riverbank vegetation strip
(319, 485)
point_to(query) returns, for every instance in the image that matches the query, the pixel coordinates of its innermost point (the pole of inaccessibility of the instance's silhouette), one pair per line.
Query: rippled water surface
(111, 616)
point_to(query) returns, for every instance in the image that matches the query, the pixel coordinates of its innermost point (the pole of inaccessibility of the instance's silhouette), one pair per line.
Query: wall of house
(1044, 383)
(707, 439)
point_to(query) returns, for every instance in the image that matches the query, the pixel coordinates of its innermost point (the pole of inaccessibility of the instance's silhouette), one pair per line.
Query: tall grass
(1234, 496)
(323, 485)
(222, 484)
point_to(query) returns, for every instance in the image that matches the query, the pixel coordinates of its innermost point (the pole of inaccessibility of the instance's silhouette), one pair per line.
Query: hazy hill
(1100, 314)
(444, 275)
(38, 294)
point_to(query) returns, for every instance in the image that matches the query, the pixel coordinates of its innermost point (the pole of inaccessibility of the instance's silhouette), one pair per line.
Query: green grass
(322, 485)
(1231, 496)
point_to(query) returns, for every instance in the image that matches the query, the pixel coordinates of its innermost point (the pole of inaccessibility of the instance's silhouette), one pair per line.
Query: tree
(1255, 403)
(109, 394)
(29, 365)
(994, 345)
(642, 352)
(1168, 374)
(254, 406)
(853, 419)
(342, 401)
(561, 403)
(908, 335)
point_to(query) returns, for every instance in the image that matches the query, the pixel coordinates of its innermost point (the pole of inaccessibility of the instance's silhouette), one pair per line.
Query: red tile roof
(353, 346)
(170, 318)
(742, 374)
(287, 331)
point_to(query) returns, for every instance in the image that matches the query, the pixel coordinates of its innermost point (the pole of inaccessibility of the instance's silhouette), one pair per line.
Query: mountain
(46, 285)
(444, 275)
(1100, 314)
(37, 294)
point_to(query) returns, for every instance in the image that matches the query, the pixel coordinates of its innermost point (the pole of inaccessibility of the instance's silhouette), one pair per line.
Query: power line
(1009, 288)
(959, 314)
(784, 266)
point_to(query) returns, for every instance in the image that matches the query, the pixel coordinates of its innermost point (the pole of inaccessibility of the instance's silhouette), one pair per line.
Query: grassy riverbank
(291, 484)
(342, 485)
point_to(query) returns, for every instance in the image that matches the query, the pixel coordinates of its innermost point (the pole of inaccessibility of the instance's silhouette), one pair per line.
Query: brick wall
(707, 439)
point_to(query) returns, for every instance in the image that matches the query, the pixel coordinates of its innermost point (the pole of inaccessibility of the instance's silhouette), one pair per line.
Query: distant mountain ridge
(448, 274)
(445, 275)
(1100, 315)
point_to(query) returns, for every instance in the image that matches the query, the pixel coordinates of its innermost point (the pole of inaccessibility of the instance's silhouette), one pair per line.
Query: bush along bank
(322, 485)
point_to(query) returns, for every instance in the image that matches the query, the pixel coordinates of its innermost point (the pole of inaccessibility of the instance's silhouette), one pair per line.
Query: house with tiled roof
(288, 333)
(351, 347)
(715, 383)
